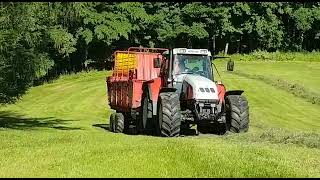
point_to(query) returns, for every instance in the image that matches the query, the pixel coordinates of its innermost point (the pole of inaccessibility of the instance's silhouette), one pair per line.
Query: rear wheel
(118, 123)
(146, 119)
(237, 113)
(111, 122)
(169, 115)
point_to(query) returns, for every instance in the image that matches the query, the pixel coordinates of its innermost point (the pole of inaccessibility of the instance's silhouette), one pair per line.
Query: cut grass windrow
(292, 88)
(309, 139)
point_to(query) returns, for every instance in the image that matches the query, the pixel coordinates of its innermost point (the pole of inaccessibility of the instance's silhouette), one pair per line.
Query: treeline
(40, 40)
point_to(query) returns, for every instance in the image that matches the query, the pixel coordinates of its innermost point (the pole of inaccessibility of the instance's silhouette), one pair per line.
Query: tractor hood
(202, 87)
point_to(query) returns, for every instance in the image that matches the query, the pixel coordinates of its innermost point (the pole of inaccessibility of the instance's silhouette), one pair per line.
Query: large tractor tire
(237, 114)
(111, 122)
(169, 114)
(118, 123)
(145, 122)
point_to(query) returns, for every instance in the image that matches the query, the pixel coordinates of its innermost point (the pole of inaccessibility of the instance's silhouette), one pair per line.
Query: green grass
(271, 106)
(58, 130)
(306, 74)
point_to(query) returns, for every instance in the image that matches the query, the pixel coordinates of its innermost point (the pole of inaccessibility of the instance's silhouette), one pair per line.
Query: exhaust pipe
(170, 78)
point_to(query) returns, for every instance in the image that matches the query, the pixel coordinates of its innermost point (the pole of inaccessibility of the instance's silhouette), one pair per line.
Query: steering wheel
(195, 69)
(201, 73)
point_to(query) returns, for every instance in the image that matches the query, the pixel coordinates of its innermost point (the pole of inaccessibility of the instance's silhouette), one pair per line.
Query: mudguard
(234, 92)
(154, 87)
(167, 89)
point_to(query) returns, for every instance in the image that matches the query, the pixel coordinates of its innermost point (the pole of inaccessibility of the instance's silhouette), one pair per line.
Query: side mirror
(156, 63)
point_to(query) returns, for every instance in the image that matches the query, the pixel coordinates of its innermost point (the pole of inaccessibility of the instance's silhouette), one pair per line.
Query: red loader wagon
(131, 69)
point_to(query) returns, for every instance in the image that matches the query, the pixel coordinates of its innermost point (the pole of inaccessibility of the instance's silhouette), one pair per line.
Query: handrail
(141, 48)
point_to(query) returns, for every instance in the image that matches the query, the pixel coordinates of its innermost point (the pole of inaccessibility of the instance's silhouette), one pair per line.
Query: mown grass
(295, 89)
(282, 136)
(305, 74)
(60, 130)
(271, 106)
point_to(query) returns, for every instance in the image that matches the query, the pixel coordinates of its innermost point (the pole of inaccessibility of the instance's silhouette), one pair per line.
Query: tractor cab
(187, 62)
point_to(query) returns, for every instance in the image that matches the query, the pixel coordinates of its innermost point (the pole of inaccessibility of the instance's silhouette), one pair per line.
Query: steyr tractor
(165, 92)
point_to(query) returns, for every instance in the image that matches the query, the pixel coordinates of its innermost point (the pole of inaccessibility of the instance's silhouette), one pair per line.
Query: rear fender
(234, 92)
(154, 87)
(167, 89)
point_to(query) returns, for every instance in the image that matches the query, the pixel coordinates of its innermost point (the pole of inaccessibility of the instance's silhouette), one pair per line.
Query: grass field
(60, 130)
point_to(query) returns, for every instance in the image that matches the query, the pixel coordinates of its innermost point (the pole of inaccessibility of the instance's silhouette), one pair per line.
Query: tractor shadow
(184, 133)
(189, 132)
(103, 126)
(11, 120)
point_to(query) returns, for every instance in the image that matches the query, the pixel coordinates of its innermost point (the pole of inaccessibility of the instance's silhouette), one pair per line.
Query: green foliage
(86, 34)
(63, 41)
(303, 18)
(22, 57)
(259, 55)
(60, 37)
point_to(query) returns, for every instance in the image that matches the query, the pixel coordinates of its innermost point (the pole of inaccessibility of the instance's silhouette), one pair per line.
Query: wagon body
(131, 69)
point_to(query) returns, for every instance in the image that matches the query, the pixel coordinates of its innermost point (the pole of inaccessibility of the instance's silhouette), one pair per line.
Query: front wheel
(237, 115)
(145, 122)
(169, 114)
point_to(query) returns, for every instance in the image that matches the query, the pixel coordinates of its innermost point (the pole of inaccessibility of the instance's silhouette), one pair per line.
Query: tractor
(164, 92)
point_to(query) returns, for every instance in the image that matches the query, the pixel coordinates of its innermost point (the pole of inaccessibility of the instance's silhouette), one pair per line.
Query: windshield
(192, 64)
